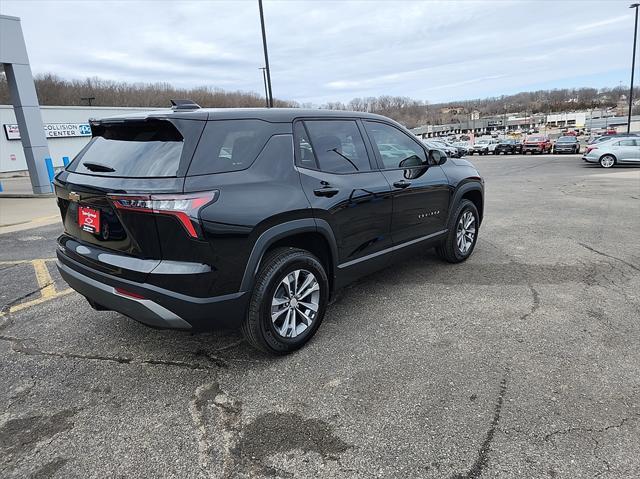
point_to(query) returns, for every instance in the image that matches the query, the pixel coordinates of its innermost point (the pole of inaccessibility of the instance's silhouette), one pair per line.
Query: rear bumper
(156, 307)
(533, 148)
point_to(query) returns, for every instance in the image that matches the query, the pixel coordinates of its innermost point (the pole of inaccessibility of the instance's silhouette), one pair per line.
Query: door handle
(402, 184)
(326, 191)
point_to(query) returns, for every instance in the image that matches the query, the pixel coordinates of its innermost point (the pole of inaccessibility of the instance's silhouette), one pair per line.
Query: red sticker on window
(89, 219)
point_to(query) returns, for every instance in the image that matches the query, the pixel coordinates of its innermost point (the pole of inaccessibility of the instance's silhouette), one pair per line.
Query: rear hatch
(105, 195)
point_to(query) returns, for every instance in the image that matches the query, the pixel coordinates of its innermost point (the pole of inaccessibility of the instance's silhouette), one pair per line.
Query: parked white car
(484, 146)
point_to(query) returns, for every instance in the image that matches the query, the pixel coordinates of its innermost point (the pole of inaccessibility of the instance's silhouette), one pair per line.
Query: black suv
(194, 218)
(508, 146)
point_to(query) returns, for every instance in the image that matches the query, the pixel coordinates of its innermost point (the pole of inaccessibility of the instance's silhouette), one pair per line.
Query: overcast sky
(336, 50)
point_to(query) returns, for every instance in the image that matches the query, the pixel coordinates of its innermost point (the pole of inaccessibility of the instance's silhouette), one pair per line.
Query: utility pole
(633, 64)
(504, 119)
(266, 57)
(266, 90)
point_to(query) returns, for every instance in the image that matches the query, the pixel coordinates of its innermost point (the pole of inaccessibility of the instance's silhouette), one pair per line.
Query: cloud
(334, 50)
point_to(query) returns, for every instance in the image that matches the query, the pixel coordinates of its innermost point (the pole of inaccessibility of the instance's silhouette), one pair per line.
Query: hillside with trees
(53, 90)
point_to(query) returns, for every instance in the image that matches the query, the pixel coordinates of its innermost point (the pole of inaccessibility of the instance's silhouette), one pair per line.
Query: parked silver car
(614, 151)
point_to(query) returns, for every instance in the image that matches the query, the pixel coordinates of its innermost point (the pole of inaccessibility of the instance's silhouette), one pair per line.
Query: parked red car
(537, 144)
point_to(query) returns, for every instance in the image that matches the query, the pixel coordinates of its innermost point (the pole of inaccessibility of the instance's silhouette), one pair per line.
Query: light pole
(266, 90)
(633, 64)
(266, 57)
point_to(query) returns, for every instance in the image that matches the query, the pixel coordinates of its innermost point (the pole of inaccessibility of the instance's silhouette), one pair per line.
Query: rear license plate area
(89, 219)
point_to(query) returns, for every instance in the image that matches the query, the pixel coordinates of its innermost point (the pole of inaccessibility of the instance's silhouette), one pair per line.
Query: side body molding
(275, 233)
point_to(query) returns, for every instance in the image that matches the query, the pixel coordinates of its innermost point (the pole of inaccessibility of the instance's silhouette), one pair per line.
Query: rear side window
(136, 149)
(230, 145)
(336, 145)
(627, 143)
(306, 158)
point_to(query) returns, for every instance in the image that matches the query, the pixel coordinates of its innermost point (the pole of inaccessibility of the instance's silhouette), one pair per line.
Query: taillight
(590, 148)
(185, 208)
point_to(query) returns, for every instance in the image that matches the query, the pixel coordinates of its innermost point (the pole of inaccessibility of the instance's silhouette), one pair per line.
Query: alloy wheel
(607, 161)
(295, 303)
(466, 232)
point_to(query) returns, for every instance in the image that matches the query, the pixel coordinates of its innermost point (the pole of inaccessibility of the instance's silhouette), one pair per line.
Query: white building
(575, 119)
(66, 127)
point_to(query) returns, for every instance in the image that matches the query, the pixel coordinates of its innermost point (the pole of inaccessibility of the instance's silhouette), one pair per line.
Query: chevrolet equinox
(192, 218)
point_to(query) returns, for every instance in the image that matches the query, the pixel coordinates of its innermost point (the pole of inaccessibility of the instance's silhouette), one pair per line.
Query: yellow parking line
(40, 300)
(44, 278)
(45, 282)
(23, 261)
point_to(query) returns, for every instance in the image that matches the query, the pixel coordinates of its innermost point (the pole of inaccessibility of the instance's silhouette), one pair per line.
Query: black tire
(257, 327)
(448, 250)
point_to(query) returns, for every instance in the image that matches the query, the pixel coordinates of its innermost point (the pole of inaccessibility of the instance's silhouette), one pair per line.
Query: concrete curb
(27, 225)
(26, 195)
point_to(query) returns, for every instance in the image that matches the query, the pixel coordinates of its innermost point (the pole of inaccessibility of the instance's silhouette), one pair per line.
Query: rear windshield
(136, 149)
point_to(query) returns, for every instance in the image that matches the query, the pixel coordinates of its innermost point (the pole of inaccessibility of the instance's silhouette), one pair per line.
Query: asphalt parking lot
(522, 362)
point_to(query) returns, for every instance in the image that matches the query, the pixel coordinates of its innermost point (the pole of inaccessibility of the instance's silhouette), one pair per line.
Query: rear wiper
(98, 167)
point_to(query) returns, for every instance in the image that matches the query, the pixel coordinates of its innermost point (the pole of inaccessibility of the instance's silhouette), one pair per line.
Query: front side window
(396, 149)
(336, 145)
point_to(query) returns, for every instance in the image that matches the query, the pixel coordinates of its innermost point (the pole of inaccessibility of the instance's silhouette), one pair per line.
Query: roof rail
(184, 105)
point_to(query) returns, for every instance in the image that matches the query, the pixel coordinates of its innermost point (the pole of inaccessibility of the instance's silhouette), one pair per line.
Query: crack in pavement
(535, 305)
(593, 250)
(19, 346)
(7, 307)
(590, 430)
(607, 465)
(482, 460)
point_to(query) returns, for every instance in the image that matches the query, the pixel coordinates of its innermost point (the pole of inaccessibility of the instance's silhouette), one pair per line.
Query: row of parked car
(484, 146)
(607, 150)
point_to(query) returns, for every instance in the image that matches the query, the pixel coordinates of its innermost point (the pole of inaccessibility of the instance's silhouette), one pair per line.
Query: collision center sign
(52, 130)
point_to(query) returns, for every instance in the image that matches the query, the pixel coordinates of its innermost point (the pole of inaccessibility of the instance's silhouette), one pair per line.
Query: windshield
(482, 142)
(567, 139)
(535, 138)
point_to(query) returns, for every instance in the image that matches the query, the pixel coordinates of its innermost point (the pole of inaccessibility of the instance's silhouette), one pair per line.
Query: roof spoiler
(184, 105)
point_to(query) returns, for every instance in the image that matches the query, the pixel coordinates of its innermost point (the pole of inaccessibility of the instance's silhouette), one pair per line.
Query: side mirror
(436, 157)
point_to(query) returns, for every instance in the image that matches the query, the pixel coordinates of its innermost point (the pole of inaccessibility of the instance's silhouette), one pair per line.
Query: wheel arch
(473, 192)
(313, 235)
